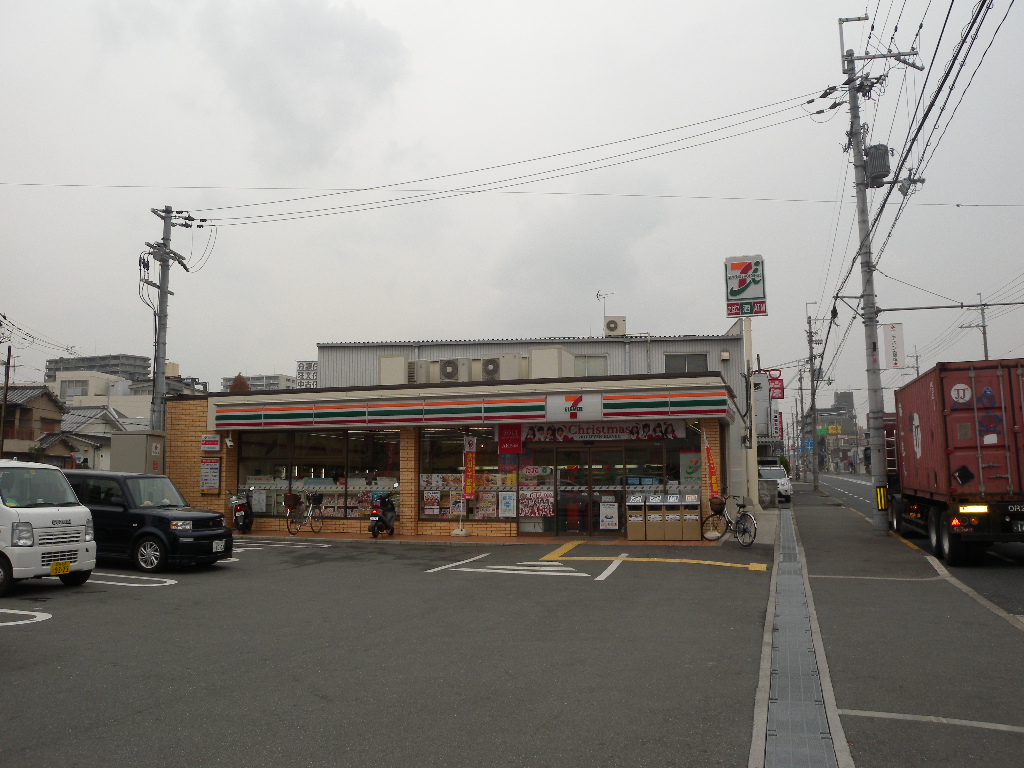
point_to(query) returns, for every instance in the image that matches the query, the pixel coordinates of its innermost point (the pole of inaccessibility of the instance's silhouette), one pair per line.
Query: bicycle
(313, 515)
(744, 527)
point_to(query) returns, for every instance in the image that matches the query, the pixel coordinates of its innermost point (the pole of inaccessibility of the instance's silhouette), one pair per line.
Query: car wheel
(75, 578)
(149, 555)
(6, 577)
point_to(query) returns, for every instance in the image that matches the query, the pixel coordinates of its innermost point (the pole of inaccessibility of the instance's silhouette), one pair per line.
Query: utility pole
(803, 423)
(855, 85)
(161, 253)
(814, 406)
(3, 408)
(752, 478)
(983, 325)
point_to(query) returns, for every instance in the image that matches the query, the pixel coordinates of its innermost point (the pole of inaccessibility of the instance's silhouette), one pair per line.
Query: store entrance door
(589, 491)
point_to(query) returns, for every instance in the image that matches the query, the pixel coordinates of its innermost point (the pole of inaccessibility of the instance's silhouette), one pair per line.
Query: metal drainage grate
(798, 734)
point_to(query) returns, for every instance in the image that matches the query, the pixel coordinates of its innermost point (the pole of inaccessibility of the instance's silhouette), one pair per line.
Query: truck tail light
(955, 522)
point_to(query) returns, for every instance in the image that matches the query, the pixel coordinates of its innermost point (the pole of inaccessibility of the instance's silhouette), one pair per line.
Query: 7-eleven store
(551, 456)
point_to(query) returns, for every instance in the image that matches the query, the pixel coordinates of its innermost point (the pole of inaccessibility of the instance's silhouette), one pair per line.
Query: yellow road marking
(559, 554)
(748, 566)
(904, 541)
(561, 550)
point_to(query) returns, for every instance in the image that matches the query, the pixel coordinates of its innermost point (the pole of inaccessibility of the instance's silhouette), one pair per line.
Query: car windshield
(32, 487)
(155, 491)
(773, 473)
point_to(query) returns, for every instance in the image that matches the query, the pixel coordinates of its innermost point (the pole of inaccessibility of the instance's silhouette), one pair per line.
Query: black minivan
(145, 519)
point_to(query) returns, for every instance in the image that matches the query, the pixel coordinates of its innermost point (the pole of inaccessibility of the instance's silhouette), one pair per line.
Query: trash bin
(656, 517)
(673, 518)
(691, 517)
(636, 529)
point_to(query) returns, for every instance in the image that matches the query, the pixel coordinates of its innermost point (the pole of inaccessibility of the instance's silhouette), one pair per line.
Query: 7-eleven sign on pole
(744, 287)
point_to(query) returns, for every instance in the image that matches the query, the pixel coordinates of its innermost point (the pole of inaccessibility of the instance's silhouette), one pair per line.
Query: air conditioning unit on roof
(501, 368)
(615, 326)
(456, 369)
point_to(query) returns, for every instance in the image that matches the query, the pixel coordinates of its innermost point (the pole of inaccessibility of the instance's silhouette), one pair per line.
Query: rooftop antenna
(603, 298)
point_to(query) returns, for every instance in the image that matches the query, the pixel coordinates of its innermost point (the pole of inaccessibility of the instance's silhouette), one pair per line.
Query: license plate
(1018, 526)
(60, 568)
(218, 545)
(374, 519)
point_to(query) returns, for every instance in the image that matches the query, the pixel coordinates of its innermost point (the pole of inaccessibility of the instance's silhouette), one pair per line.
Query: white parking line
(933, 719)
(34, 616)
(156, 582)
(461, 562)
(611, 568)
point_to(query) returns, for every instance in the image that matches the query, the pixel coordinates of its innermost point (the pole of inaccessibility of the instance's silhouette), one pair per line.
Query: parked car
(145, 519)
(44, 531)
(777, 473)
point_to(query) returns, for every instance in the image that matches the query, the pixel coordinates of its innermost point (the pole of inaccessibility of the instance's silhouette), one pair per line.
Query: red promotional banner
(776, 389)
(510, 439)
(469, 484)
(709, 459)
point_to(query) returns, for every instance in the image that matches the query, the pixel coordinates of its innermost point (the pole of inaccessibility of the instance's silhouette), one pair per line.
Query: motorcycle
(383, 515)
(241, 511)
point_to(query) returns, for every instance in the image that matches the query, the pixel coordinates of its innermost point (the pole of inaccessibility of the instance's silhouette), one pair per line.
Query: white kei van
(44, 530)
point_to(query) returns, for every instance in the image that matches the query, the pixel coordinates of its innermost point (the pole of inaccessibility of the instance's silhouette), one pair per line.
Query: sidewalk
(923, 674)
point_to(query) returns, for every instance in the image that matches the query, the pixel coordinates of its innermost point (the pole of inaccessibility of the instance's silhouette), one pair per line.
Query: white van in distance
(44, 530)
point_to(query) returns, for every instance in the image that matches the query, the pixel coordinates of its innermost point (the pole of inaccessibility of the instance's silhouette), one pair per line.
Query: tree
(240, 384)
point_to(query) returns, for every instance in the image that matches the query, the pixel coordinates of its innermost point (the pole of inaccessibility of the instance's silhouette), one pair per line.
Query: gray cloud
(304, 72)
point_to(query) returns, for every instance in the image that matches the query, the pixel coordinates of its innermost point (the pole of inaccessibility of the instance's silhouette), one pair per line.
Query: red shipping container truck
(959, 457)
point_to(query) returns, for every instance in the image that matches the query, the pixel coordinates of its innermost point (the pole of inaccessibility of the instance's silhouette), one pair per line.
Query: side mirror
(118, 501)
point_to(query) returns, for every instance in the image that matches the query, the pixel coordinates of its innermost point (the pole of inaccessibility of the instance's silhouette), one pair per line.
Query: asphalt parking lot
(381, 653)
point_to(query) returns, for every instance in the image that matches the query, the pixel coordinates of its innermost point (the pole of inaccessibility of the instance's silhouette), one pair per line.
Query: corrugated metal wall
(356, 365)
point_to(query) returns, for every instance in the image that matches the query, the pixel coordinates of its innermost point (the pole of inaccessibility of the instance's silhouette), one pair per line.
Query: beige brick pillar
(409, 480)
(712, 431)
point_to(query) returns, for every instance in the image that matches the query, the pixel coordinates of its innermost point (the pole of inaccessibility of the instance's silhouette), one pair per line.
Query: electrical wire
(475, 189)
(499, 166)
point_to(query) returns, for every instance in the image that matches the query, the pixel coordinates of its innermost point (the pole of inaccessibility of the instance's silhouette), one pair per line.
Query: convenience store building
(552, 455)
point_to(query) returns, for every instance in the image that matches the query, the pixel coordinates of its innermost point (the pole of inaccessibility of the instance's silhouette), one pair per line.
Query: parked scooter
(241, 511)
(383, 515)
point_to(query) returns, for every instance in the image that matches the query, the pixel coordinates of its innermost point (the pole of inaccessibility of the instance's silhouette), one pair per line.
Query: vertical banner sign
(709, 460)
(469, 482)
(894, 353)
(744, 287)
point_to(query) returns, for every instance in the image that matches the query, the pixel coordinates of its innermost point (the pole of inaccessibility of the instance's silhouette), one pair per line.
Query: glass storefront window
(443, 474)
(348, 467)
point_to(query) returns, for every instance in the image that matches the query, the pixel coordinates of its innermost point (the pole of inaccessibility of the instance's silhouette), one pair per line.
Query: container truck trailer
(958, 442)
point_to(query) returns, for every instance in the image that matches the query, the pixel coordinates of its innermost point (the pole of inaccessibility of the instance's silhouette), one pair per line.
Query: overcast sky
(113, 108)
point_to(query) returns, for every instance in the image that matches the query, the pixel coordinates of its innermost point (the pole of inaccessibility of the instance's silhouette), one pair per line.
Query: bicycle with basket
(297, 517)
(744, 526)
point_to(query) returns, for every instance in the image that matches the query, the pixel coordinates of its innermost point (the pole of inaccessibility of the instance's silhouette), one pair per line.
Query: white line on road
(531, 572)
(34, 616)
(933, 719)
(1001, 557)
(156, 581)
(461, 562)
(941, 570)
(611, 568)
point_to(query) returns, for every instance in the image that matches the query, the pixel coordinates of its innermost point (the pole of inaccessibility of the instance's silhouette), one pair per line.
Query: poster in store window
(536, 503)
(609, 516)
(506, 504)
(487, 506)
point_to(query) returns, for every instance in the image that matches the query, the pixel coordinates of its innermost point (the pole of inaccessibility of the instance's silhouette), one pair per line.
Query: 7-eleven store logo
(574, 405)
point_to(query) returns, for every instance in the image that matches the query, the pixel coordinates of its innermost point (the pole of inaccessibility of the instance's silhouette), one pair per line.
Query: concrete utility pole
(3, 408)
(983, 325)
(803, 423)
(869, 309)
(814, 405)
(752, 478)
(161, 253)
